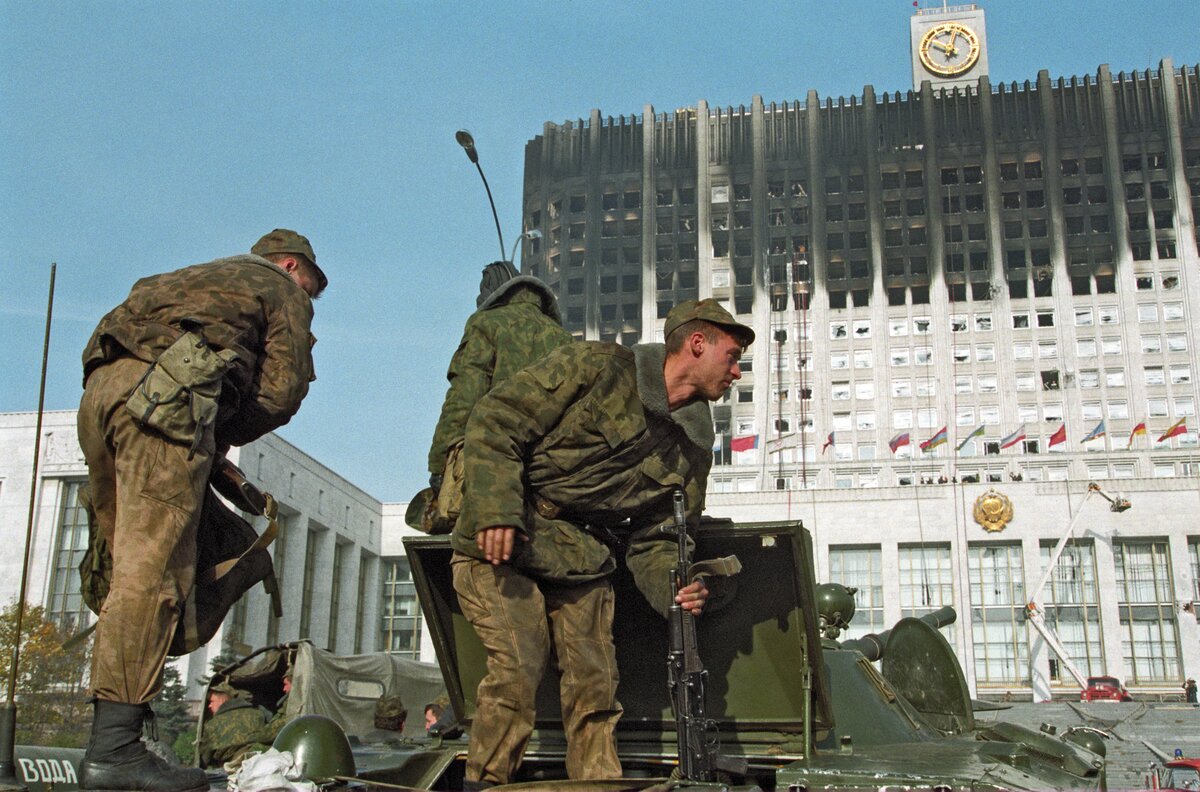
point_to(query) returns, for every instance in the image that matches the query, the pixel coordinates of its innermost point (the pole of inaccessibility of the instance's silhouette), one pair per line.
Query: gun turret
(871, 645)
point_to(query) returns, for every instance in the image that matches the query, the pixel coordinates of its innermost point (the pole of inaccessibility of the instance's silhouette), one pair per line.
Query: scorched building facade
(957, 290)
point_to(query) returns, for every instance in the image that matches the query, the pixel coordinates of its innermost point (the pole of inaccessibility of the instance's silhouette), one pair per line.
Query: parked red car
(1104, 688)
(1180, 774)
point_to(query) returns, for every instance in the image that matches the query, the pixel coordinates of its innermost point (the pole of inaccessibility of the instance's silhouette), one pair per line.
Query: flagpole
(781, 339)
(800, 300)
(1191, 468)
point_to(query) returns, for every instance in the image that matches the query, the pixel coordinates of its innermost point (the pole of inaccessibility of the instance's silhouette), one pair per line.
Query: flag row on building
(941, 437)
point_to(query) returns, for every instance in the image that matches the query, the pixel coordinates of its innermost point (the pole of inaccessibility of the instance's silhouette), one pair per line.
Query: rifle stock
(229, 480)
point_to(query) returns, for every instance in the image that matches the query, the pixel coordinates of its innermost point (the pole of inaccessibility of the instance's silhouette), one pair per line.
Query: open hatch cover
(755, 648)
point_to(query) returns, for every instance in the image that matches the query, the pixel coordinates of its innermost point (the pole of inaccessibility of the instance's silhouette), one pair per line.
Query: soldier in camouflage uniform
(281, 718)
(556, 458)
(147, 489)
(235, 729)
(390, 715)
(517, 322)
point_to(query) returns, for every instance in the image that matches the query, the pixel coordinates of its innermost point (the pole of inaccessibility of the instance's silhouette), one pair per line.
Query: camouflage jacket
(516, 325)
(235, 728)
(245, 304)
(572, 446)
(278, 720)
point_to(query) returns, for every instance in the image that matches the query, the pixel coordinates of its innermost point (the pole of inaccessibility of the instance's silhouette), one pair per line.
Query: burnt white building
(990, 285)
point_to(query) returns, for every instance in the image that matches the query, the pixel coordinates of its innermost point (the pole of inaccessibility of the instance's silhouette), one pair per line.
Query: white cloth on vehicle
(270, 771)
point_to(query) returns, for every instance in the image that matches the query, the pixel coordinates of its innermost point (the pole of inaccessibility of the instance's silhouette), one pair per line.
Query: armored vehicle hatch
(802, 713)
(762, 651)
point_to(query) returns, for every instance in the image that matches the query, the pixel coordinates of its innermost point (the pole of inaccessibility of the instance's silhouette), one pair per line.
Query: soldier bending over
(149, 456)
(556, 457)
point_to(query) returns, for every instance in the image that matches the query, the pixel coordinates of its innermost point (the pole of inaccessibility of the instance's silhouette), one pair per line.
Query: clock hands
(955, 58)
(950, 50)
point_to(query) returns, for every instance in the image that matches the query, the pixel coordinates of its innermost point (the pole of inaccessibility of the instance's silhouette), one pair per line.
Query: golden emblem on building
(993, 510)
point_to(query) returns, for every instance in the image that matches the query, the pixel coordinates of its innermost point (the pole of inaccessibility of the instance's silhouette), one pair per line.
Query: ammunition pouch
(95, 569)
(436, 511)
(448, 503)
(179, 393)
(559, 550)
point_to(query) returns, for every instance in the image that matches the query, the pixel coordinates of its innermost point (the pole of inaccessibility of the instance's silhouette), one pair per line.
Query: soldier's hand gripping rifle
(696, 734)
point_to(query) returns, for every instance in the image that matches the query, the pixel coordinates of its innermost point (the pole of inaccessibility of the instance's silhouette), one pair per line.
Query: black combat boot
(117, 759)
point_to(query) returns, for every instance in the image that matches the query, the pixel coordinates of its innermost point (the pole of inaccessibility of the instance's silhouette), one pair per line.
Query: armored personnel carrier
(789, 709)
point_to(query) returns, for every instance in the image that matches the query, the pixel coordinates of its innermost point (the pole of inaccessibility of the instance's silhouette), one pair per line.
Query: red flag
(1140, 429)
(938, 439)
(828, 442)
(1178, 428)
(743, 443)
(1060, 436)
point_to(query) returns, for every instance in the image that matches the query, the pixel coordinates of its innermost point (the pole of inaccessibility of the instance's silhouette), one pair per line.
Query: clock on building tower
(949, 47)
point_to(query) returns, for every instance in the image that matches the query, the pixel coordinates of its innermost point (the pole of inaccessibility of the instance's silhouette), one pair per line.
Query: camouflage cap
(710, 311)
(223, 685)
(284, 240)
(390, 707)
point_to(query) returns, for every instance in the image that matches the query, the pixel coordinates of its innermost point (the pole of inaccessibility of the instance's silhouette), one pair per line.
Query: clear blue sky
(137, 137)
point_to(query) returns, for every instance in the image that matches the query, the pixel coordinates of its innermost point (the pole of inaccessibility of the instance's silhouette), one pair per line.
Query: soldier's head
(215, 700)
(704, 346)
(494, 276)
(219, 693)
(390, 714)
(293, 254)
(433, 711)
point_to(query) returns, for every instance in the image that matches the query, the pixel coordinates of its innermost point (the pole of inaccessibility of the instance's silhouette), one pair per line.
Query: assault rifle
(696, 734)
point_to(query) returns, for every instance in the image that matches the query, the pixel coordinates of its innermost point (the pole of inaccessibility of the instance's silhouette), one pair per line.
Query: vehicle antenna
(8, 712)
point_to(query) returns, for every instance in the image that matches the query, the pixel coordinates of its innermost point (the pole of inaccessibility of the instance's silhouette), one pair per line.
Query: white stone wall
(310, 495)
(394, 531)
(1042, 512)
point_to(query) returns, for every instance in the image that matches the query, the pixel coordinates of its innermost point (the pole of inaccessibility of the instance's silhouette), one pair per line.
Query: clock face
(949, 49)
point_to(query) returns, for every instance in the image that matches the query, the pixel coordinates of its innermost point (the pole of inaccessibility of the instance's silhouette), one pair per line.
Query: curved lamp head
(468, 143)
(531, 234)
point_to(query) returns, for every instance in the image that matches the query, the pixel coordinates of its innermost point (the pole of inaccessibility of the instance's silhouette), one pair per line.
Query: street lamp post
(531, 234)
(465, 140)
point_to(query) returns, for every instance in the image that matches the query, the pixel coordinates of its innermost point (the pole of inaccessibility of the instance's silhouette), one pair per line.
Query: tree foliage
(171, 710)
(227, 656)
(50, 693)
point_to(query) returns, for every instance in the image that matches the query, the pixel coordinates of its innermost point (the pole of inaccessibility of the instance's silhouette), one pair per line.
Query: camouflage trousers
(147, 496)
(516, 618)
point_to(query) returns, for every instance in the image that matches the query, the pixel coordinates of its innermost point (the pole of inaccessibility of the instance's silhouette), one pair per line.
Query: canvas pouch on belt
(450, 496)
(178, 394)
(436, 513)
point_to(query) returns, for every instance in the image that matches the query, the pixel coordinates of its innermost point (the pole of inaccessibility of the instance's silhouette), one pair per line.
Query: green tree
(185, 745)
(51, 703)
(223, 658)
(171, 710)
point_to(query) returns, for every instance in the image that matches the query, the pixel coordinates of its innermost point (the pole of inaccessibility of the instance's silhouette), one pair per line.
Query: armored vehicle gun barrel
(871, 645)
